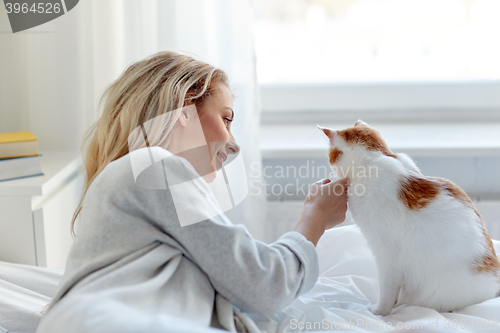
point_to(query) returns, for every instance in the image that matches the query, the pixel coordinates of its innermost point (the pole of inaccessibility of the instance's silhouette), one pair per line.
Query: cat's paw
(378, 311)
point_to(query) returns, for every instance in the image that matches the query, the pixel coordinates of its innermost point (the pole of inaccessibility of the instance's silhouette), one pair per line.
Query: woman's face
(202, 134)
(216, 114)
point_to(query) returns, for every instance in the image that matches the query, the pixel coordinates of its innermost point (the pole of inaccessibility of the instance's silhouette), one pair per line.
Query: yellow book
(17, 137)
(18, 144)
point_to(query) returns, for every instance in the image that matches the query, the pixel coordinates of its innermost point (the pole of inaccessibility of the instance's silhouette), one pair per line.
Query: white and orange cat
(430, 244)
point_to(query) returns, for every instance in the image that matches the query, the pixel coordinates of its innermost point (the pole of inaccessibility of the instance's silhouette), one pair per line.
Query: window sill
(416, 139)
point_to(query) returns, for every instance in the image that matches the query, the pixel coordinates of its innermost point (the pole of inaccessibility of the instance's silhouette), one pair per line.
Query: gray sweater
(133, 268)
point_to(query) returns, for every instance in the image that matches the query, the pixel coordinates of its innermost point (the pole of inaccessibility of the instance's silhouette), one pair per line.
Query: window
(316, 41)
(411, 59)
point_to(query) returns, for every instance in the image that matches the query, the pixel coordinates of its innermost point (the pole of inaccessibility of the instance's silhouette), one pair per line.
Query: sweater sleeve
(252, 275)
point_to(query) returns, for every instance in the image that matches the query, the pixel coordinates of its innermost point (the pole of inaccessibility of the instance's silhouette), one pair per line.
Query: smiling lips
(222, 157)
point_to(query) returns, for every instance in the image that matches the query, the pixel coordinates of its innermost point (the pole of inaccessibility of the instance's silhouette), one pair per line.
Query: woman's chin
(210, 177)
(216, 167)
(208, 171)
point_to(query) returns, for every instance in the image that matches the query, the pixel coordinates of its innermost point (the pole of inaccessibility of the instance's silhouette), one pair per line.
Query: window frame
(380, 101)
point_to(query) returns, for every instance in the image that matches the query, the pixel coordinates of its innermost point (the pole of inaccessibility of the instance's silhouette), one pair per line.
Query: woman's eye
(227, 121)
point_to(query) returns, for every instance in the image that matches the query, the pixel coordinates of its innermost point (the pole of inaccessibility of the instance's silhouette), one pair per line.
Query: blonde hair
(162, 84)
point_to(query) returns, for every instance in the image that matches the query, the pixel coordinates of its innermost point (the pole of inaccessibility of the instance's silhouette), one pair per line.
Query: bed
(348, 285)
(25, 291)
(340, 299)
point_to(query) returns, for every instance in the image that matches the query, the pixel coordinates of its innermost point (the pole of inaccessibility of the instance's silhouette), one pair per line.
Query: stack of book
(19, 156)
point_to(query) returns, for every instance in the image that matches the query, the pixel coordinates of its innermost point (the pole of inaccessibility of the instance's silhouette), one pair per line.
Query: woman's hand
(325, 207)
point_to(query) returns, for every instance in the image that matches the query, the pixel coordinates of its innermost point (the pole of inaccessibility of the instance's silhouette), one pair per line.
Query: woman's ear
(183, 118)
(188, 114)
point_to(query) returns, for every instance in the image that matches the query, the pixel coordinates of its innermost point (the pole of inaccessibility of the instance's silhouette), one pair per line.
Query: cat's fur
(430, 244)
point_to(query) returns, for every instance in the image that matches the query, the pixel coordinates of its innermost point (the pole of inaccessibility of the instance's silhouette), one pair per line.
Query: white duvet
(25, 292)
(348, 284)
(339, 301)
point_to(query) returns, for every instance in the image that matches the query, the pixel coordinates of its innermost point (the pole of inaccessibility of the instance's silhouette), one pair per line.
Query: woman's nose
(232, 148)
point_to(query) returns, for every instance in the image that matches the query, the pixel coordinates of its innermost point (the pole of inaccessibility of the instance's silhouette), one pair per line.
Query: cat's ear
(360, 123)
(328, 132)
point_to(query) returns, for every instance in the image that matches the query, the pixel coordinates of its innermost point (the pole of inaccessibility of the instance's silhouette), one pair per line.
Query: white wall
(31, 98)
(52, 76)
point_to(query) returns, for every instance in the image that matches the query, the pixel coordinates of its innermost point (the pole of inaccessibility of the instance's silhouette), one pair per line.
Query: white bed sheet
(348, 285)
(340, 299)
(25, 291)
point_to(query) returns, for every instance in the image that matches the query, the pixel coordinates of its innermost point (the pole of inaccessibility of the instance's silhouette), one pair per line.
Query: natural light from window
(328, 41)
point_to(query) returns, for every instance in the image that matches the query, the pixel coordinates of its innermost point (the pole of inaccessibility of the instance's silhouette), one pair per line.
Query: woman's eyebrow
(227, 107)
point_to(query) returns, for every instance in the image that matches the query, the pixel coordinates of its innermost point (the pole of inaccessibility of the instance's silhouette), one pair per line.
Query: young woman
(133, 267)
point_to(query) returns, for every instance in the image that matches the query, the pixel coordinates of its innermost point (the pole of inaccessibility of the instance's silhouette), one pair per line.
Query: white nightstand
(36, 212)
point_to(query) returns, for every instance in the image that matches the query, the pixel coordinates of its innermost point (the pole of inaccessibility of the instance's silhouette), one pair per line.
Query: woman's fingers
(339, 187)
(326, 188)
(324, 181)
(344, 183)
(324, 207)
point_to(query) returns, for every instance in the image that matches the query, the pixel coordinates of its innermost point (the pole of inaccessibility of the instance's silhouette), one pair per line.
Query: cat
(430, 244)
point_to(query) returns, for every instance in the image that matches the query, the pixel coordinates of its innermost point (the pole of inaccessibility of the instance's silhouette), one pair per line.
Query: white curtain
(52, 76)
